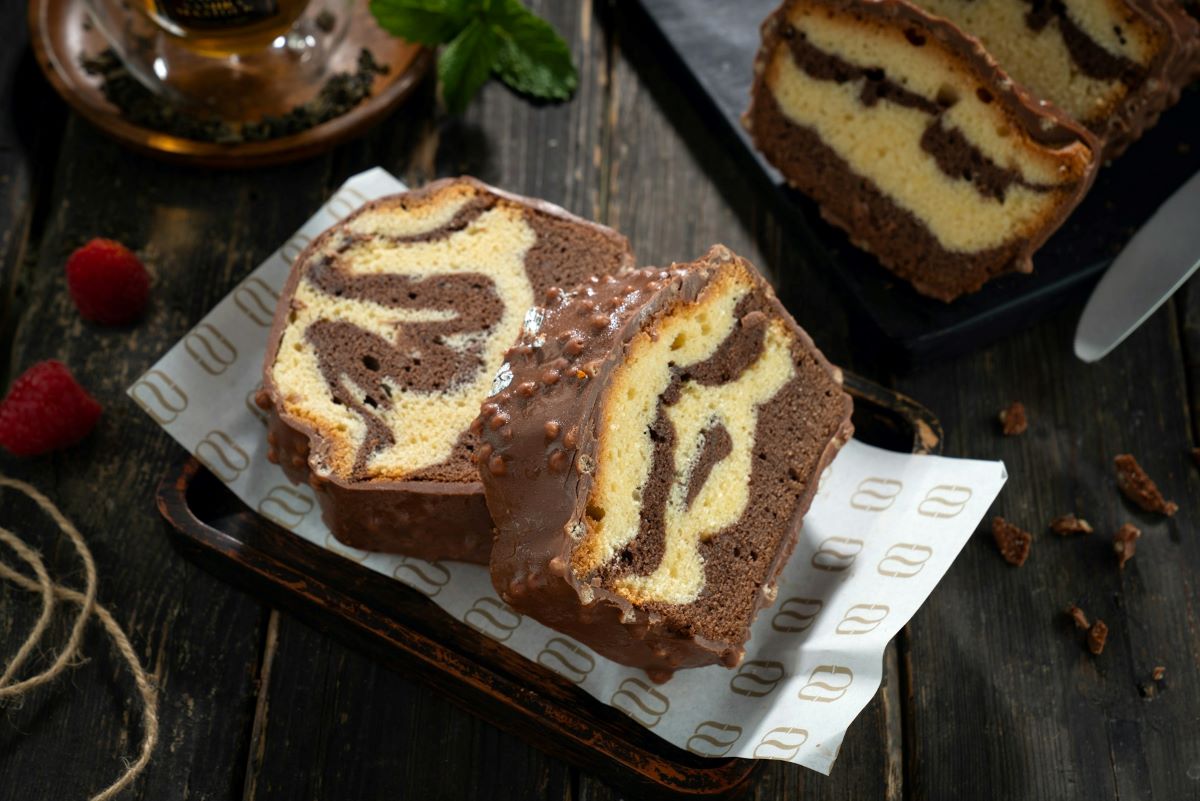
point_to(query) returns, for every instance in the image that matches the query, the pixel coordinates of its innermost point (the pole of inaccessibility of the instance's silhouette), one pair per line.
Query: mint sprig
(484, 38)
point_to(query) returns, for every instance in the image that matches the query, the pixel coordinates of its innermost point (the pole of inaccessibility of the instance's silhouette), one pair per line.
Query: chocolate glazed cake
(914, 141)
(1113, 65)
(386, 338)
(650, 450)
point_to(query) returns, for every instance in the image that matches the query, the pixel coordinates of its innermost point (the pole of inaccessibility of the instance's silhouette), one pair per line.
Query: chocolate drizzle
(956, 157)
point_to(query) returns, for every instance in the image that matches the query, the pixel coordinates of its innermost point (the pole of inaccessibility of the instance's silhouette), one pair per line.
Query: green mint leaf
(427, 22)
(533, 59)
(465, 64)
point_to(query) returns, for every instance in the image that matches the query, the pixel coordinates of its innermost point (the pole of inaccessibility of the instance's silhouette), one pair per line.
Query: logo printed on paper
(714, 739)
(756, 678)
(209, 348)
(823, 480)
(567, 659)
(781, 742)
(160, 397)
(944, 500)
(258, 413)
(875, 494)
(287, 506)
(640, 701)
(345, 201)
(796, 614)
(426, 577)
(256, 300)
(836, 553)
(292, 249)
(492, 617)
(904, 560)
(332, 543)
(827, 683)
(219, 453)
(863, 618)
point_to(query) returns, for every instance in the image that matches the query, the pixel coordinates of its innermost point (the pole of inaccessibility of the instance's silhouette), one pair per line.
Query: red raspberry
(46, 410)
(107, 282)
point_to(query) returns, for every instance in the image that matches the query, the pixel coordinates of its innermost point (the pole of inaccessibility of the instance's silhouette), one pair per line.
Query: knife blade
(1155, 263)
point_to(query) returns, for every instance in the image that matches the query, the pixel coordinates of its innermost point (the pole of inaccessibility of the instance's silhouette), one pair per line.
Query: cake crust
(437, 511)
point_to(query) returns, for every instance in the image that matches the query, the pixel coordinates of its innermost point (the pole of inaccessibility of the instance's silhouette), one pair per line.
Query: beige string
(88, 607)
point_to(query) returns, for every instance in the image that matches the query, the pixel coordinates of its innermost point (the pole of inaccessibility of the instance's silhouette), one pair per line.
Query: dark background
(989, 691)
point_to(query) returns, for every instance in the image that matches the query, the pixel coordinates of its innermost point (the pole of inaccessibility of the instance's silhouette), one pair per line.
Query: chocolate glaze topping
(538, 479)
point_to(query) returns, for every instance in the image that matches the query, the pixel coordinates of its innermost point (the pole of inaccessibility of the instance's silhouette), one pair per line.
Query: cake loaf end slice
(385, 341)
(912, 139)
(651, 447)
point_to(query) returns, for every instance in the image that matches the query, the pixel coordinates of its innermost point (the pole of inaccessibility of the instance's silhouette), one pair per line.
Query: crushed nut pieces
(1078, 617)
(1014, 543)
(1140, 488)
(1013, 420)
(1096, 637)
(1070, 524)
(1125, 543)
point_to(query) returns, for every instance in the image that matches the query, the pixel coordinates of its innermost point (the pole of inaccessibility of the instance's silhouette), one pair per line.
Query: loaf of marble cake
(912, 139)
(385, 341)
(648, 453)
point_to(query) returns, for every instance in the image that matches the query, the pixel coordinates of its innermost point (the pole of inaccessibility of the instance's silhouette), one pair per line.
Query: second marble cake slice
(651, 447)
(912, 139)
(385, 342)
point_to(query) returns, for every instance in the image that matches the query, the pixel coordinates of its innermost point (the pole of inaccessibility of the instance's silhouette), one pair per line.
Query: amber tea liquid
(225, 27)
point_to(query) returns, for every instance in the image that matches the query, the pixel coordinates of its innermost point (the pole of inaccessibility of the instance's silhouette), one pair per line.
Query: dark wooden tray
(707, 48)
(412, 635)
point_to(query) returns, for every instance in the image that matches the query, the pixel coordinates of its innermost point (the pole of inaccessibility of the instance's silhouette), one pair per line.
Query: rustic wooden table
(989, 693)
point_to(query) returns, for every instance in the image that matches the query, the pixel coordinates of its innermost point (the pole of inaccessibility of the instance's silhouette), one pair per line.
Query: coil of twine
(51, 593)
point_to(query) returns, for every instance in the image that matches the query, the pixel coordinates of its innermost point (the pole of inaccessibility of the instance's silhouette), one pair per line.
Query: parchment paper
(882, 531)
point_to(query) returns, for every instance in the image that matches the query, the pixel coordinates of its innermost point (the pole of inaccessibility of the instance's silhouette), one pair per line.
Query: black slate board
(710, 45)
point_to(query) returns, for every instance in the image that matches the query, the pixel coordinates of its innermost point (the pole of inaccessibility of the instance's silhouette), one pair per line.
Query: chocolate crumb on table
(1096, 637)
(1070, 524)
(1078, 617)
(1014, 543)
(1125, 543)
(1013, 420)
(1140, 488)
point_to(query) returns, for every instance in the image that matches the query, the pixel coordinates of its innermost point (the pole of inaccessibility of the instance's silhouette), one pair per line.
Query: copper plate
(61, 38)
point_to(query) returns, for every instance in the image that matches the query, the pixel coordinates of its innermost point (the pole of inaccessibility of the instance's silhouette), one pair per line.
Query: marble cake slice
(1113, 65)
(651, 447)
(385, 341)
(912, 139)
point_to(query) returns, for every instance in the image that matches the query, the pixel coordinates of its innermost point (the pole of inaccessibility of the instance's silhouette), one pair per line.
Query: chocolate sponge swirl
(385, 342)
(650, 448)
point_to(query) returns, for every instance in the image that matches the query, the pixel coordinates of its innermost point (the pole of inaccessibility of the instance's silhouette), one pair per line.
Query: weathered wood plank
(1004, 695)
(199, 232)
(674, 193)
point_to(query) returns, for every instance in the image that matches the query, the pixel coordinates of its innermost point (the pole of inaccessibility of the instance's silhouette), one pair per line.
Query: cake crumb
(1096, 637)
(1070, 524)
(1078, 617)
(1158, 673)
(1013, 420)
(1140, 488)
(1014, 543)
(1125, 543)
